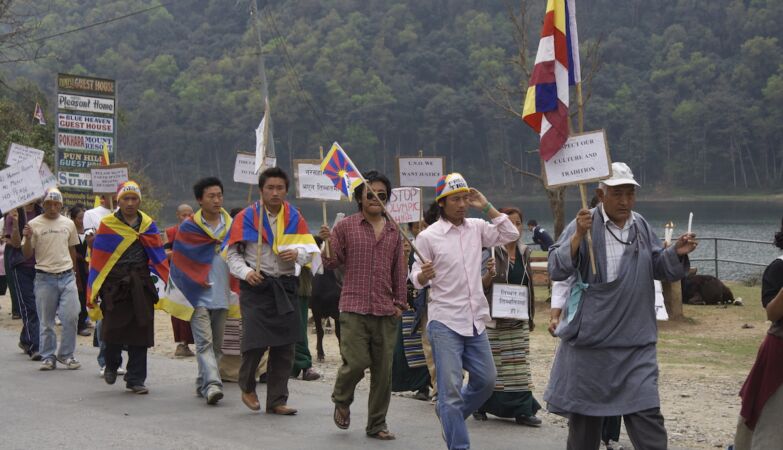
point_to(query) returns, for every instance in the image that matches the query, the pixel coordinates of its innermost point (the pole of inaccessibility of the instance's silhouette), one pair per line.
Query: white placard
(421, 172)
(405, 205)
(509, 301)
(584, 158)
(20, 184)
(88, 104)
(312, 183)
(245, 165)
(21, 153)
(106, 179)
(48, 180)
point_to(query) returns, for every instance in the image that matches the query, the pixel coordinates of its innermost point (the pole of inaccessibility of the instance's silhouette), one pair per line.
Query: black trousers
(645, 429)
(137, 362)
(278, 369)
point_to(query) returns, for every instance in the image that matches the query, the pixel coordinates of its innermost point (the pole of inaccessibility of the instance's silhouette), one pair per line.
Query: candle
(492, 252)
(669, 229)
(690, 222)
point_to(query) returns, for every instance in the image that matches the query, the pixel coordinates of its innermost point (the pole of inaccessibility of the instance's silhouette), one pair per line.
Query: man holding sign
(458, 310)
(607, 364)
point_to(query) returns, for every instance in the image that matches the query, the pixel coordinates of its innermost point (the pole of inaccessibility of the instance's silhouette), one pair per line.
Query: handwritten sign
(311, 182)
(48, 180)
(20, 184)
(106, 179)
(405, 205)
(245, 166)
(509, 301)
(584, 158)
(421, 172)
(21, 153)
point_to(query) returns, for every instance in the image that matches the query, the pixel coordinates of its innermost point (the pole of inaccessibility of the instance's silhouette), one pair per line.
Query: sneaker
(57, 321)
(183, 351)
(35, 356)
(25, 348)
(121, 371)
(48, 364)
(530, 421)
(480, 416)
(101, 371)
(214, 394)
(70, 363)
(137, 389)
(84, 332)
(613, 445)
(110, 376)
(310, 374)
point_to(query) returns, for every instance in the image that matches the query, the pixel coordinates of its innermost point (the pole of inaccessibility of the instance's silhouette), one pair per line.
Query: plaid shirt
(615, 249)
(375, 269)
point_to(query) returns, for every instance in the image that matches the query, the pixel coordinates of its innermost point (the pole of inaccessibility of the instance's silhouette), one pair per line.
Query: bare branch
(524, 172)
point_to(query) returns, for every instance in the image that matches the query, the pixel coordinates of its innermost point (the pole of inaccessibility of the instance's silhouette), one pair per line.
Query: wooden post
(249, 193)
(672, 299)
(582, 187)
(323, 209)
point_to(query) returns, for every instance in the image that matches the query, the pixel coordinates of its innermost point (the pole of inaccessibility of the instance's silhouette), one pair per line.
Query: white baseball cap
(53, 195)
(621, 174)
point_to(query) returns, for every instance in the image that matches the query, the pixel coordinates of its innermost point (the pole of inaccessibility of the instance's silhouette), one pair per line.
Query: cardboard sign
(21, 153)
(509, 301)
(405, 205)
(48, 180)
(20, 184)
(106, 179)
(584, 158)
(245, 166)
(312, 183)
(419, 172)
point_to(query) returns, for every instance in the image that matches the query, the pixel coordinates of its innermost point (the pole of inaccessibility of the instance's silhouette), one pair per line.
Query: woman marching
(510, 338)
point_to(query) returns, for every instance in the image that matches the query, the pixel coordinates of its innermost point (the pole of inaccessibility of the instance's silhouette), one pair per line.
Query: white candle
(690, 222)
(492, 252)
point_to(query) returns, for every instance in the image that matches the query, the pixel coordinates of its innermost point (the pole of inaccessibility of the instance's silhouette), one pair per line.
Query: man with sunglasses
(609, 365)
(370, 249)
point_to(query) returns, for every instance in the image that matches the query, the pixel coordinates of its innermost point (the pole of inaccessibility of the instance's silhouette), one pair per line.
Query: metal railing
(716, 259)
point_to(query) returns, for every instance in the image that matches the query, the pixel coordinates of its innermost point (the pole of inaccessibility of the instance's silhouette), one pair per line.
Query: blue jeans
(453, 353)
(208, 326)
(23, 278)
(57, 295)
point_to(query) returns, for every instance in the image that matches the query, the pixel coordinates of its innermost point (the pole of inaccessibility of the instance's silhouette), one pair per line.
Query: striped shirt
(614, 248)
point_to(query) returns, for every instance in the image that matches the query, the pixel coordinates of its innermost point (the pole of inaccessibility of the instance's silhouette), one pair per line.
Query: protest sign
(404, 205)
(20, 184)
(584, 158)
(312, 183)
(48, 180)
(21, 153)
(106, 179)
(419, 171)
(245, 165)
(509, 301)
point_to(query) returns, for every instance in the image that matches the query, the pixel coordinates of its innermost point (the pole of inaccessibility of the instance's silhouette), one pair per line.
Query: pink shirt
(456, 297)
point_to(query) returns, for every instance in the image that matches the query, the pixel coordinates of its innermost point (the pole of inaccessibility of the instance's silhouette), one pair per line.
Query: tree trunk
(753, 165)
(556, 199)
(733, 163)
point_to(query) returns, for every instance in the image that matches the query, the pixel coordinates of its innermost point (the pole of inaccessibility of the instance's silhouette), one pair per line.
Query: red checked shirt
(375, 269)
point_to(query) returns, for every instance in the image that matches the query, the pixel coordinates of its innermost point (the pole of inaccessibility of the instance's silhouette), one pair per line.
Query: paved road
(77, 410)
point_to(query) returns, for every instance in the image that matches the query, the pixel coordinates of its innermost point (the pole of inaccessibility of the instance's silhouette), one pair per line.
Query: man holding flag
(199, 271)
(266, 242)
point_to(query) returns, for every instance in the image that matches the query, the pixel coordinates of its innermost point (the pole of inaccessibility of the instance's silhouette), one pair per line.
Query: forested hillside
(689, 91)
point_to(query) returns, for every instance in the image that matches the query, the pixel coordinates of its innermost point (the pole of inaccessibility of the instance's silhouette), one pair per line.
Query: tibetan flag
(341, 170)
(113, 238)
(39, 115)
(557, 67)
(193, 253)
(290, 232)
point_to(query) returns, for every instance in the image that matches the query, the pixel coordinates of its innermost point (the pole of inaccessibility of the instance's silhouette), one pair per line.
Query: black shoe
(35, 356)
(137, 389)
(478, 415)
(25, 348)
(15, 317)
(262, 379)
(110, 376)
(530, 421)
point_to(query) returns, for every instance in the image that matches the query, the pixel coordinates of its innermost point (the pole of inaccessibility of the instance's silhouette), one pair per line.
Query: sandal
(342, 417)
(383, 435)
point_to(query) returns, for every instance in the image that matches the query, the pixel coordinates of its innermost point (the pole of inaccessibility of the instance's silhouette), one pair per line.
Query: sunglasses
(382, 196)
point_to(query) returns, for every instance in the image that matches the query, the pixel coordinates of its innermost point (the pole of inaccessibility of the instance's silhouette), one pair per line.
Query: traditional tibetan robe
(606, 364)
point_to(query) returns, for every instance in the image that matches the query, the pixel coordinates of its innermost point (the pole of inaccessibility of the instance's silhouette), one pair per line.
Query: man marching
(458, 310)
(267, 298)
(200, 273)
(607, 364)
(127, 246)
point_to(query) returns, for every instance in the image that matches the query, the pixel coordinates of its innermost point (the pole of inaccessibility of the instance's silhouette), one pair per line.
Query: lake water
(751, 220)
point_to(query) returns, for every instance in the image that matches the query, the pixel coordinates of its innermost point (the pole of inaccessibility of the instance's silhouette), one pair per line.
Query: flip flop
(342, 420)
(383, 435)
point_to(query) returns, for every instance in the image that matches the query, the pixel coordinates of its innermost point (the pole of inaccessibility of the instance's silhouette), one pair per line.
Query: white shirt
(614, 248)
(92, 219)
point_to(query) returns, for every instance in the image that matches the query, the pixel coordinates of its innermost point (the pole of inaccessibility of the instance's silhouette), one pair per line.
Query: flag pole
(385, 212)
(582, 187)
(323, 208)
(260, 240)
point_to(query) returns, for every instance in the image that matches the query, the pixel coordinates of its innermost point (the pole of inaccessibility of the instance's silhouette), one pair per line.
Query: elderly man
(126, 246)
(458, 310)
(183, 335)
(607, 364)
(52, 238)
